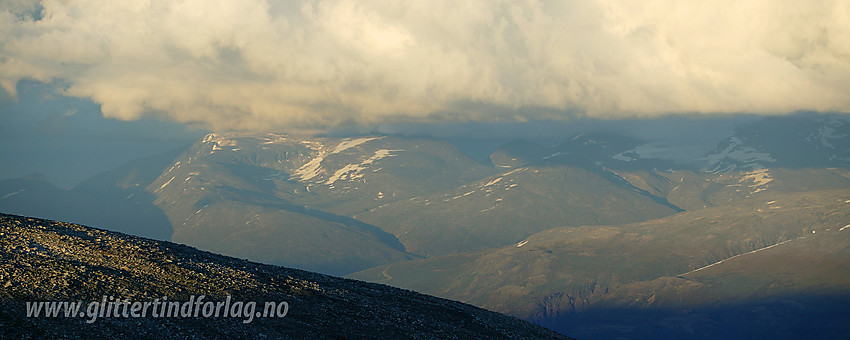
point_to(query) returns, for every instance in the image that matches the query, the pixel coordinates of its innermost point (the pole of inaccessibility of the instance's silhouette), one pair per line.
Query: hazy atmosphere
(358, 67)
(590, 168)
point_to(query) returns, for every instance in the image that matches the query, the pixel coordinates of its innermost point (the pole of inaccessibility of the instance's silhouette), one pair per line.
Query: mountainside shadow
(270, 201)
(799, 316)
(115, 200)
(133, 214)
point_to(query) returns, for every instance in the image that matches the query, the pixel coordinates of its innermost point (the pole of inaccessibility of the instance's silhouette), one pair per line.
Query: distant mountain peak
(735, 154)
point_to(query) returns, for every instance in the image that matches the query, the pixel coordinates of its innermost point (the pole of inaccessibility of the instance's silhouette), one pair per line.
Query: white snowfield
(352, 143)
(354, 171)
(739, 154)
(219, 140)
(351, 171)
(310, 170)
(313, 168)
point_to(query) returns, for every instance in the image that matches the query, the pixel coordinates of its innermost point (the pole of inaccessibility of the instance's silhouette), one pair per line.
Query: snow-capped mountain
(287, 200)
(277, 198)
(789, 142)
(453, 226)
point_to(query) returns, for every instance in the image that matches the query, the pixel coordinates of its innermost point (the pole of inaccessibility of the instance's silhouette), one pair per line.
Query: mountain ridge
(55, 261)
(421, 214)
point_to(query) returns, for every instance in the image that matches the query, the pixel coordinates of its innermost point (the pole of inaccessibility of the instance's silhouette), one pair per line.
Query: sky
(68, 140)
(164, 71)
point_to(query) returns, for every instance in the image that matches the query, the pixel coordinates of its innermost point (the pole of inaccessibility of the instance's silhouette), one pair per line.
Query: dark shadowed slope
(43, 260)
(128, 210)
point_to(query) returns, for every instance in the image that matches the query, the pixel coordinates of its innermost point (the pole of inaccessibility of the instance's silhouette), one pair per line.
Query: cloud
(314, 65)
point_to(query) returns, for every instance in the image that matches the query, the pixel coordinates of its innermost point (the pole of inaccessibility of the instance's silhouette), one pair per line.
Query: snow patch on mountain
(736, 154)
(383, 153)
(274, 138)
(760, 178)
(497, 180)
(165, 184)
(556, 155)
(219, 140)
(827, 134)
(345, 145)
(355, 171)
(622, 157)
(463, 195)
(14, 193)
(209, 138)
(313, 168)
(312, 145)
(349, 172)
(175, 166)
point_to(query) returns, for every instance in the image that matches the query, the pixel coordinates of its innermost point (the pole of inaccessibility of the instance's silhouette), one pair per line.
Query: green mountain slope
(505, 208)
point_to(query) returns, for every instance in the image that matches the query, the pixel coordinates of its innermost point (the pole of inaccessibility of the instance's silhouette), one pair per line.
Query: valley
(574, 236)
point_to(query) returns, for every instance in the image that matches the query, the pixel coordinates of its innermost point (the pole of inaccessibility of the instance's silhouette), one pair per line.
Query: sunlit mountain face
(653, 169)
(587, 236)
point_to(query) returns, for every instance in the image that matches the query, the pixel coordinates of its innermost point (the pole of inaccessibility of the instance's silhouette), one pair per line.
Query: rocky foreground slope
(44, 260)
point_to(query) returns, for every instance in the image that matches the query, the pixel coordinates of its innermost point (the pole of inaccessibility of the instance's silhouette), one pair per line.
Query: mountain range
(591, 236)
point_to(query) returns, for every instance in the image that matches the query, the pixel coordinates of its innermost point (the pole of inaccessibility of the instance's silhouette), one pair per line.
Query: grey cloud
(317, 65)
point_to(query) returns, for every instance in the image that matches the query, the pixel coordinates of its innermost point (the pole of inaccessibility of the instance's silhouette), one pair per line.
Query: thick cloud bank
(254, 64)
